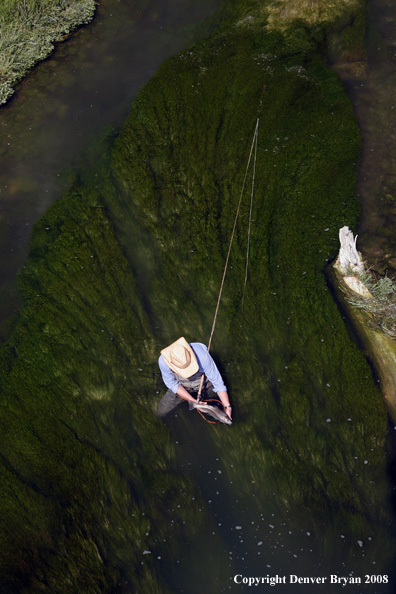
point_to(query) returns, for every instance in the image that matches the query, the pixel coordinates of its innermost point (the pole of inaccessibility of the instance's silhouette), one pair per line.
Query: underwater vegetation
(84, 464)
(28, 30)
(303, 390)
(130, 259)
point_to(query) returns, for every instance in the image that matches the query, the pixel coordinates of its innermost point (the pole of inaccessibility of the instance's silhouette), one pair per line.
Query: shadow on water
(252, 537)
(391, 434)
(69, 102)
(392, 481)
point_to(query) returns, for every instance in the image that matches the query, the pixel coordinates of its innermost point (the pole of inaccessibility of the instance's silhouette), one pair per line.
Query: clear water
(373, 92)
(70, 102)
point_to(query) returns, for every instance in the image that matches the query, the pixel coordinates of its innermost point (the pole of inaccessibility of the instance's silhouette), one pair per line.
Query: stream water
(70, 102)
(60, 114)
(373, 92)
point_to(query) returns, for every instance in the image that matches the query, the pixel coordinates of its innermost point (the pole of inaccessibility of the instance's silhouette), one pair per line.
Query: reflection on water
(71, 100)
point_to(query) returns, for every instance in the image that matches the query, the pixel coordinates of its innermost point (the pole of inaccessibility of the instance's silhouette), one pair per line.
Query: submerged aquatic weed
(104, 288)
(177, 167)
(84, 462)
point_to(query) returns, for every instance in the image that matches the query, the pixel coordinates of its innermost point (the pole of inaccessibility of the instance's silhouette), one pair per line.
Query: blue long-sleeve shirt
(206, 366)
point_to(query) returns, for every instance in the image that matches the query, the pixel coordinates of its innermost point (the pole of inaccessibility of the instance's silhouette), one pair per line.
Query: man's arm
(167, 375)
(212, 373)
(182, 392)
(209, 367)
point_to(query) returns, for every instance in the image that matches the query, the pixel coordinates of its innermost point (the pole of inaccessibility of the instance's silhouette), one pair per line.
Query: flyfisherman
(182, 365)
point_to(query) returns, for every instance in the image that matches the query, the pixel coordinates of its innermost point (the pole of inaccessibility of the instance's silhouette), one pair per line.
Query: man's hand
(226, 402)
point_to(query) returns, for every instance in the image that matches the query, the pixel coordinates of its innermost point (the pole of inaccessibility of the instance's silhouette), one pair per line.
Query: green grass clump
(381, 307)
(28, 30)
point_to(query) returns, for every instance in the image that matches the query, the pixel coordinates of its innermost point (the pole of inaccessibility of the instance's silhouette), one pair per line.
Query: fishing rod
(254, 145)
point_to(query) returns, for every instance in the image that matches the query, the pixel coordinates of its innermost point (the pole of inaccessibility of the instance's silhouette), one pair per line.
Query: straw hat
(180, 357)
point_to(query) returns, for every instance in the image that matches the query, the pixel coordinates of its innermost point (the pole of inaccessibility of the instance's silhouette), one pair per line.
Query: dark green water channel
(373, 92)
(98, 494)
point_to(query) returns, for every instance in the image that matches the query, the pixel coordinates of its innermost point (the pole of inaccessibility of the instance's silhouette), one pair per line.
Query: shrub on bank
(28, 30)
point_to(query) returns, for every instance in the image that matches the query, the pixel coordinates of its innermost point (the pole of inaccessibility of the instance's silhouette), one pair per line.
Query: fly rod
(254, 145)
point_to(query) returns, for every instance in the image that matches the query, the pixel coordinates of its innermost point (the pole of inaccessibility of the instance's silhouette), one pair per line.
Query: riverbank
(28, 32)
(371, 306)
(370, 82)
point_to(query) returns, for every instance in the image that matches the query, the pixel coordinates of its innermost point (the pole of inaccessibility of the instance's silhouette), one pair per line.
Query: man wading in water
(182, 365)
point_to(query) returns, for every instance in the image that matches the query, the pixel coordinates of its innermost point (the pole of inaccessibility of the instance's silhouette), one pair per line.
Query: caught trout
(212, 410)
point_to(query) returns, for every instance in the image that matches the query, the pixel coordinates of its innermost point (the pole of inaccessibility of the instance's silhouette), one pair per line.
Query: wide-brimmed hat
(180, 357)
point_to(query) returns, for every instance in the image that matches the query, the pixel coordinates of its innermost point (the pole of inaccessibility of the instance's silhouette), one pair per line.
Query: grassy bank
(29, 29)
(131, 259)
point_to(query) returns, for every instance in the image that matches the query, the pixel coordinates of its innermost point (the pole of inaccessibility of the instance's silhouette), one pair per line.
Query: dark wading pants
(169, 400)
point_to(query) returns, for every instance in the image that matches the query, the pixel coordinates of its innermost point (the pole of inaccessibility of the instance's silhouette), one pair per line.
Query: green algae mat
(98, 495)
